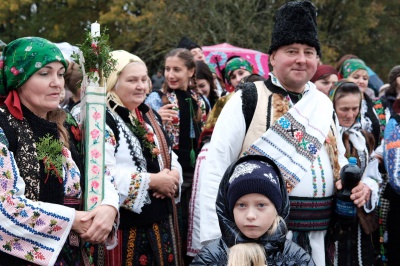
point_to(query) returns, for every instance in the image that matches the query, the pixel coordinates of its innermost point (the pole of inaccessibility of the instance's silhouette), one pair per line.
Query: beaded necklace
(315, 178)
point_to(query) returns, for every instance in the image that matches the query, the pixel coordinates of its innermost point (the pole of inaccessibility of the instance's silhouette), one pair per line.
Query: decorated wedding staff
(42, 170)
(96, 65)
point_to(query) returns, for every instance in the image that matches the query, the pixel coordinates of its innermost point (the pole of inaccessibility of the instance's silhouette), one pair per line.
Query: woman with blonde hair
(148, 176)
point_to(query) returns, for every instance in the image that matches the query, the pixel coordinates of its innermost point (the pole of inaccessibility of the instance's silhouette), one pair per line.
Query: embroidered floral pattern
(72, 175)
(133, 192)
(76, 132)
(94, 155)
(284, 122)
(46, 224)
(380, 111)
(172, 128)
(34, 254)
(293, 132)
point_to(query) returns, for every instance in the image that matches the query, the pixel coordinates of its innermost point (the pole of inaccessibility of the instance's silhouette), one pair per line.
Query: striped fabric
(309, 214)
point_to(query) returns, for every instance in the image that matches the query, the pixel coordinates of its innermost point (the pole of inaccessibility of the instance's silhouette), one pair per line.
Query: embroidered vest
(270, 106)
(22, 136)
(159, 209)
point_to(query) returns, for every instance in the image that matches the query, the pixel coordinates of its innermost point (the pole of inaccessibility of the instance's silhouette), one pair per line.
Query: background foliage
(150, 28)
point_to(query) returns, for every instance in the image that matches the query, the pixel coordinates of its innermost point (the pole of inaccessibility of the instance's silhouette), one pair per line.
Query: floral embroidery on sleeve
(138, 185)
(35, 230)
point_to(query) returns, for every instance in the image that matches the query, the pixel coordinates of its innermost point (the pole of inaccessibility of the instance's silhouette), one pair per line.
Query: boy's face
(254, 214)
(198, 54)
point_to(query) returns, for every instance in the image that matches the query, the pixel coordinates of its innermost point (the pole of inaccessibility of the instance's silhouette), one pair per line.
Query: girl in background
(184, 113)
(325, 77)
(235, 70)
(181, 106)
(205, 83)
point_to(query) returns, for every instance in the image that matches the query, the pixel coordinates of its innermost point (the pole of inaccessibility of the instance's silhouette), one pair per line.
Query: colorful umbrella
(217, 56)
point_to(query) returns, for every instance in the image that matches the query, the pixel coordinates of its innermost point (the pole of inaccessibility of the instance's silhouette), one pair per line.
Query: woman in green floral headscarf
(236, 69)
(41, 185)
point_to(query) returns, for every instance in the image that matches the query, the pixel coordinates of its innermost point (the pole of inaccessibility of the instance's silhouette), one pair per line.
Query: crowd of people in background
(203, 166)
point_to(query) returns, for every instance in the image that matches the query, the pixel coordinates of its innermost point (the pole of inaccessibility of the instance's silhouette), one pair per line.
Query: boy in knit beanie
(251, 206)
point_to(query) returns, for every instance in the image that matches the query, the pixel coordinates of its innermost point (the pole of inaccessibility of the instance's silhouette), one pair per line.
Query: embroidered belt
(309, 214)
(72, 202)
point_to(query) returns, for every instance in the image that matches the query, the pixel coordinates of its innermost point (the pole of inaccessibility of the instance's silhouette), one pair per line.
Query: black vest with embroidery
(159, 208)
(22, 136)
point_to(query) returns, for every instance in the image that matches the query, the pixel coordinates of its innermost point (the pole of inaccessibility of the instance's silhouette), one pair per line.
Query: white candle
(95, 29)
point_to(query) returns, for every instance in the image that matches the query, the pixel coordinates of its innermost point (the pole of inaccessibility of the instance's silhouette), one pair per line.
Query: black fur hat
(295, 22)
(187, 43)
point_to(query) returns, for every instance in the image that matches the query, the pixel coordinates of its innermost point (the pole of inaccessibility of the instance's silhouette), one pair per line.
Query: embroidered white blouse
(33, 230)
(132, 183)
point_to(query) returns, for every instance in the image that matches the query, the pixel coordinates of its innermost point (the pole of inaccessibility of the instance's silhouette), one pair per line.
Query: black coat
(279, 250)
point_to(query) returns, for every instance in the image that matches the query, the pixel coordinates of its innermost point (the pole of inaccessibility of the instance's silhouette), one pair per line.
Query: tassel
(192, 132)
(192, 158)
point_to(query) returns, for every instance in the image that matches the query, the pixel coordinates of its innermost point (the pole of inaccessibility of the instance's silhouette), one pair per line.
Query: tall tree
(150, 28)
(345, 27)
(57, 20)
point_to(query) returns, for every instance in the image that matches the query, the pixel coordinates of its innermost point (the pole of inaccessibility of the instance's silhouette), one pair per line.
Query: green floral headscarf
(234, 64)
(21, 59)
(351, 65)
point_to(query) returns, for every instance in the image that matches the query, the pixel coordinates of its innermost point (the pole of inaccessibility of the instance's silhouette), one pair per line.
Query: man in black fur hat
(288, 120)
(193, 47)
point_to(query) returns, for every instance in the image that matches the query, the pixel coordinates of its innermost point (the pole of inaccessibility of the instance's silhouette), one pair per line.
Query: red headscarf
(323, 70)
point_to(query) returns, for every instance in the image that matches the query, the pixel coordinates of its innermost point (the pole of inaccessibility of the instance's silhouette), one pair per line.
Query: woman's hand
(166, 112)
(102, 220)
(360, 194)
(79, 226)
(164, 184)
